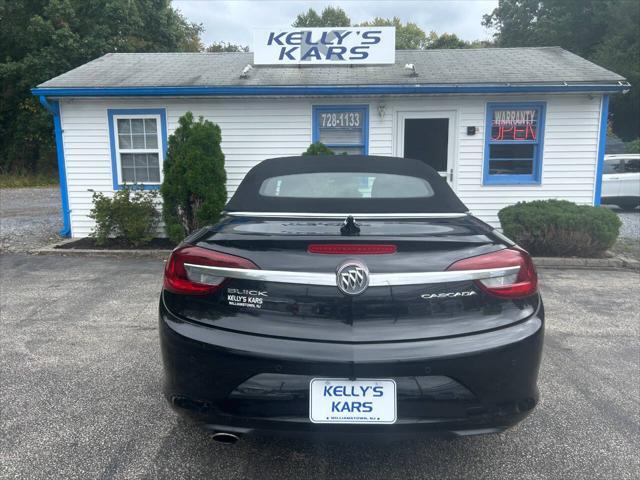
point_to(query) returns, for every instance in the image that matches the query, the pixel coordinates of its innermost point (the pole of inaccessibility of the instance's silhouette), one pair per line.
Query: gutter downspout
(53, 107)
(602, 145)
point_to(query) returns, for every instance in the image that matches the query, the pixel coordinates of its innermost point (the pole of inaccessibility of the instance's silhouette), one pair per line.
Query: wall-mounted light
(625, 84)
(382, 109)
(245, 71)
(412, 68)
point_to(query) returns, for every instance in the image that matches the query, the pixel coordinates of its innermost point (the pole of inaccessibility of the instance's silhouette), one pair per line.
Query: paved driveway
(81, 376)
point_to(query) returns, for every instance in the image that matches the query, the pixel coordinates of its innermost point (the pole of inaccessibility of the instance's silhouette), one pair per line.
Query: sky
(234, 20)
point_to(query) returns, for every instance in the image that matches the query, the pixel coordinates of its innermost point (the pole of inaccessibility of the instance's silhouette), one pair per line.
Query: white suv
(621, 181)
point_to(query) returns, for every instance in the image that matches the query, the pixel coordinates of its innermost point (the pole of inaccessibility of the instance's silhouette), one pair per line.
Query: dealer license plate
(336, 400)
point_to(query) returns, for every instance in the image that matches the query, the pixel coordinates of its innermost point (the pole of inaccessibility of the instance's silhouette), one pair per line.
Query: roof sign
(343, 45)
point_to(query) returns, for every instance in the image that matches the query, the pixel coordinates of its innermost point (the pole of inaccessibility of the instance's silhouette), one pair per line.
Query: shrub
(318, 148)
(560, 228)
(633, 146)
(130, 216)
(193, 189)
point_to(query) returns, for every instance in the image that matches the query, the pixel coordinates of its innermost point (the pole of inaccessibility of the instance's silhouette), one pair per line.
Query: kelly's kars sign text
(349, 45)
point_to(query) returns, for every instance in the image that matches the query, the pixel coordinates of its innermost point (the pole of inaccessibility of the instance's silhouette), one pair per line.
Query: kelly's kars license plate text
(333, 400)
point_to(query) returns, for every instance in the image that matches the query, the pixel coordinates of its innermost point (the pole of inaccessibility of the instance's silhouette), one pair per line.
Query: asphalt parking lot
(81, 377)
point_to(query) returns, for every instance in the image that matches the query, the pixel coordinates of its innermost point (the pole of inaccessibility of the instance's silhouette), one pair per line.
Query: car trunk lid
(294, 292)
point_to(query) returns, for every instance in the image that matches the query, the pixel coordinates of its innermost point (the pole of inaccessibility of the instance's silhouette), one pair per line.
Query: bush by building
(193, 189)
(130, 216)
(560, 228)
(318, 148)
(633, 146)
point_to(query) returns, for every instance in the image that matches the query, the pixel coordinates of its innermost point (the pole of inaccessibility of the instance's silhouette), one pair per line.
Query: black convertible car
(350, 295)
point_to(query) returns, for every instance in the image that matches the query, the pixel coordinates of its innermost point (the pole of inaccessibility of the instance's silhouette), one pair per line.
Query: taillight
(181, 274)
(351, 248)
(519, 284)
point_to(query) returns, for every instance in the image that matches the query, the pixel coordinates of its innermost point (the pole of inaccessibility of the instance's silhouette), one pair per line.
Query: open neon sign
(514, 125)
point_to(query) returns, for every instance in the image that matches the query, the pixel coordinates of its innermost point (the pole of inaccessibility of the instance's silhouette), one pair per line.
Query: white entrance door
(428, 136)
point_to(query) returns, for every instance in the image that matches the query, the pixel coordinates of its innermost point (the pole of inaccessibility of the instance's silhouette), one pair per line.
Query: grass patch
(25, 180)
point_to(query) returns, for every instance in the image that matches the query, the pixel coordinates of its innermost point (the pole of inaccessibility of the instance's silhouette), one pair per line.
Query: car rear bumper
(479, 383)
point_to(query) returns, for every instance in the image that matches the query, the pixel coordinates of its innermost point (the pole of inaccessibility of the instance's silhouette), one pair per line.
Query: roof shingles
(434, 67)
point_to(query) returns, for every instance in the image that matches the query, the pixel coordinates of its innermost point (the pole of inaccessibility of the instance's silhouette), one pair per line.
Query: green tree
(447, 40)
(193, 189)
(409, 36)
(515, 22)
(40, 39)
(226, 47)
(603, 31)
(330, 17)
(619, 51)
(633, 146)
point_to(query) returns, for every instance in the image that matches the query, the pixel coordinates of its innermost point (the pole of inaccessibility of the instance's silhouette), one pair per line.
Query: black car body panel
(241, 358)
(204, 367)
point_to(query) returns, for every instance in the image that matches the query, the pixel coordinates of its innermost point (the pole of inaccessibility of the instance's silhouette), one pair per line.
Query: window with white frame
(342, 128)
(138, 145)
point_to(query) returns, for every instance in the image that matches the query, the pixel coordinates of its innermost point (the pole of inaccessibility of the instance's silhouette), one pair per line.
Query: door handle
(451, 175)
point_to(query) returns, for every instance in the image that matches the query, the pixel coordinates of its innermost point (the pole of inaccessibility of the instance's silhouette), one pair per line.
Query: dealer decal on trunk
(240, 297)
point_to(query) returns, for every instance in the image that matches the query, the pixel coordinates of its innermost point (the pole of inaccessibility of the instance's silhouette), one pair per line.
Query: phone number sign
(340, 119)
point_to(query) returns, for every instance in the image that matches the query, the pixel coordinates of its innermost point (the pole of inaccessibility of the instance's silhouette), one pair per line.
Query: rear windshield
(344, 184)
(321, 185)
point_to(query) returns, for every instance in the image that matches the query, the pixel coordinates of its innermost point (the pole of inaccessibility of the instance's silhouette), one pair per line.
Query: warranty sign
(340, 45)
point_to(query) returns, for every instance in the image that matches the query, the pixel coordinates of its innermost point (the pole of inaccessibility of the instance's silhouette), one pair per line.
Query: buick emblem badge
(352, 277)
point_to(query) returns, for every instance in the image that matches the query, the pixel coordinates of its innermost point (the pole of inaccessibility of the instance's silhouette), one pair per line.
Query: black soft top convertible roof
(248, 199)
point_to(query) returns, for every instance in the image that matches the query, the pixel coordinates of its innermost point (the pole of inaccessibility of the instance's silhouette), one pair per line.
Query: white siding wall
(256, 129)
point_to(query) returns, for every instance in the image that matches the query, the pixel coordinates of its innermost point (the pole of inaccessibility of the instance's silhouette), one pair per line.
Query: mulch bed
(117, 244)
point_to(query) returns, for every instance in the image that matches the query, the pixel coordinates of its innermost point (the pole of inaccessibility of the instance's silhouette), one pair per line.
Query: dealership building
(502, 125)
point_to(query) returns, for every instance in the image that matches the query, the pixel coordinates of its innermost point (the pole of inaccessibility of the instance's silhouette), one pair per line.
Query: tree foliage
(40, 39)
(603, 31)
(330, 17)
(447, 40)
(633, 147)
(216, 47)
(193, 189)
(409, 36)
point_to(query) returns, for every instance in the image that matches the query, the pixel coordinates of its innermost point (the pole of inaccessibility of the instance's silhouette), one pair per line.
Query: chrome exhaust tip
(225, 437)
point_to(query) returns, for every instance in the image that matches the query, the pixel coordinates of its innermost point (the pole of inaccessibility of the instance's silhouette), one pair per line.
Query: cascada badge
(241, 297)
(349, 45)
(438, 296)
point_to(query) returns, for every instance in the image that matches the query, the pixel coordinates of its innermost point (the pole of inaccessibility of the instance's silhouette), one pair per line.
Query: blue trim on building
(253, 90)
(536, 177)
(54, 108)
(342, 108)
(111, 112)
(602, 147)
